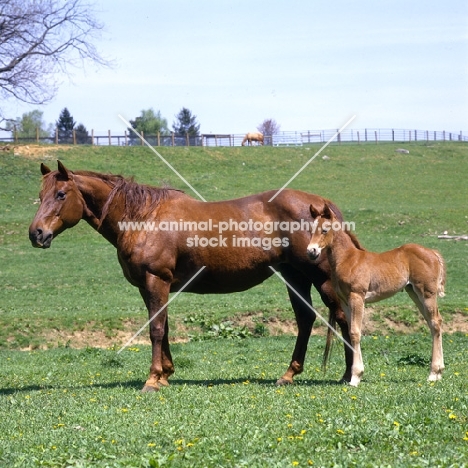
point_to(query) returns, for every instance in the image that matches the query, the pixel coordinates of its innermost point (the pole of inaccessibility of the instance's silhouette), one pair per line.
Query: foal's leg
(354, 312)
(155, 296)
(427, 303)
(305, 318)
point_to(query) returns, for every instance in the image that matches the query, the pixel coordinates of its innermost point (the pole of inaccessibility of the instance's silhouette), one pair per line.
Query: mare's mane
(139, 199)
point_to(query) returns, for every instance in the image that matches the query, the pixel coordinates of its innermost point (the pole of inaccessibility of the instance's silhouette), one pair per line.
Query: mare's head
(322, 231)
(62, 206)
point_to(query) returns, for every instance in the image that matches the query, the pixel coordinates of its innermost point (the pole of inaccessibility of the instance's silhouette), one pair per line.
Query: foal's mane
(337, 213)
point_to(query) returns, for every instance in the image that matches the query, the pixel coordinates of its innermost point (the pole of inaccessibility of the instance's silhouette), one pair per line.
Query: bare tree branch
(40, 40)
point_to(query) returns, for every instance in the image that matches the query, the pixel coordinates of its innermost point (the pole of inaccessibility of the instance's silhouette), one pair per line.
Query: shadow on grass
(138, 384)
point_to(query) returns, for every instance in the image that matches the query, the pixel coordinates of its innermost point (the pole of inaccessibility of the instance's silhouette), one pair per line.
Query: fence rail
(366, 135)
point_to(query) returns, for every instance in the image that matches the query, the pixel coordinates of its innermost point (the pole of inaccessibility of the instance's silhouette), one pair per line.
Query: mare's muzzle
(39, 238)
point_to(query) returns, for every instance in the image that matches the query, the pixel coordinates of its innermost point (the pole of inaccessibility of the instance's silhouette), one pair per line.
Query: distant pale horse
(256, 136)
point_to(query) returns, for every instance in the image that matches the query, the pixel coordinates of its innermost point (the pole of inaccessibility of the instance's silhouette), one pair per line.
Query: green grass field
(82, 407)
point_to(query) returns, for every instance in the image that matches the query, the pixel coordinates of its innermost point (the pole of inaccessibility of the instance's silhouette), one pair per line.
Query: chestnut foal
(359, 277)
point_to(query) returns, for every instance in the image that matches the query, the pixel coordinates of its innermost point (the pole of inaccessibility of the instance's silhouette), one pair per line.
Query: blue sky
(307, 64)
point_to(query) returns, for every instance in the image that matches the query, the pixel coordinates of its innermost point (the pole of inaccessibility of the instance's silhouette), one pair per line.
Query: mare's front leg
(337, 315)
(156, 295)
(305, 318)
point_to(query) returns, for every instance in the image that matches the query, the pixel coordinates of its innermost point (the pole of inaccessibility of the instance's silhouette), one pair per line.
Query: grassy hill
(75, 293)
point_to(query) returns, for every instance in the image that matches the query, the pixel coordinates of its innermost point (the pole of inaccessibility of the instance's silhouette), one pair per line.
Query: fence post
(376, 140)
(187, 139)
(443, 134)
(74, 136)
(37, 134)
(126, 138)
(172, 135)
(92, 137)
(159, 138)
(358, 139)
(56, 135)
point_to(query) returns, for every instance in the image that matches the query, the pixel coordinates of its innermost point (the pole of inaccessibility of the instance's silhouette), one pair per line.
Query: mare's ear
(314, 212)
(63, 170)
(44, 169)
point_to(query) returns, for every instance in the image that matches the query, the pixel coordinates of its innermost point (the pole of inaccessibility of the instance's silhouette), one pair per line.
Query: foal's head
(62, 206)
(322, 232)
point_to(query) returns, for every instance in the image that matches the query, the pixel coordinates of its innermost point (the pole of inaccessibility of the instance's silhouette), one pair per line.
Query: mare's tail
(329, 343)
(442, 275)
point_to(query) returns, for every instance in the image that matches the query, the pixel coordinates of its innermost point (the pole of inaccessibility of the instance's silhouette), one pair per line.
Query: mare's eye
(60, 195)
(325, 230)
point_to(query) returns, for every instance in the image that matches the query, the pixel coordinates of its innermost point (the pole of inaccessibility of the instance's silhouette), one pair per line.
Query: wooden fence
(367, 135)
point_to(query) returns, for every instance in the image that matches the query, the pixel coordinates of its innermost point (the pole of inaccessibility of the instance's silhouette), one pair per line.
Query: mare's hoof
(282, 381)
(163, 382)
(149, 389)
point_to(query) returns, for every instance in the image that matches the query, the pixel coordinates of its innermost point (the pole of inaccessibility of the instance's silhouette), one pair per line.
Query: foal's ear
(63, 170)
(44, 169)
(328, 213)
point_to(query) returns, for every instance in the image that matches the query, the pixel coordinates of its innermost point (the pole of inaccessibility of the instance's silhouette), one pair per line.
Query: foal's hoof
(281, 382)
(150, 389)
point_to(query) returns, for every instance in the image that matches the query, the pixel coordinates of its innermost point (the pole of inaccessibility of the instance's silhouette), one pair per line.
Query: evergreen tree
(65, 125)
(81, 134)
(186, 123)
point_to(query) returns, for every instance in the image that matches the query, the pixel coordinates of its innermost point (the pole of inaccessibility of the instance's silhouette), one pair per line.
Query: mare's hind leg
(305, 318)
(337, 315)
(427, 304)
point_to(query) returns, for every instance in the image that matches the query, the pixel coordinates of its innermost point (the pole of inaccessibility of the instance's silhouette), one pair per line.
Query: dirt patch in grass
(92, 336)
(32, 151)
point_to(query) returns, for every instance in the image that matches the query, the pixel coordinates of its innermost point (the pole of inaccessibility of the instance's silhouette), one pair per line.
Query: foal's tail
(442, 275)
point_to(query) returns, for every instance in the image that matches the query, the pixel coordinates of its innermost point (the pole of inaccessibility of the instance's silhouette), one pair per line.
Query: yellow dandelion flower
(396, 423)
(295, 463)
(303, 431)
(452, 416)
(151, 444)
(279, 439)
(340, 431)
(310, 462)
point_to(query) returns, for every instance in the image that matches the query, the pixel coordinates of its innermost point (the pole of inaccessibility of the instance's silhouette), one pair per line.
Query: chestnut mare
(162, 261)
(359, 277)
(258, 137)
